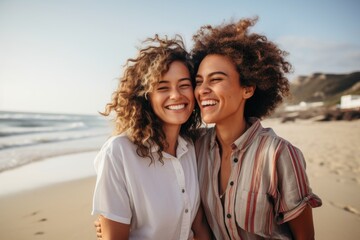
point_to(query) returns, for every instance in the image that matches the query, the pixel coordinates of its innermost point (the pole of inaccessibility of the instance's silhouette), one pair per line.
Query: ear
(248, 91)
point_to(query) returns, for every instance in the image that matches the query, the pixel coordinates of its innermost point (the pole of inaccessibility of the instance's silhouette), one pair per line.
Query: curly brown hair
(259, 62)
(133, 112)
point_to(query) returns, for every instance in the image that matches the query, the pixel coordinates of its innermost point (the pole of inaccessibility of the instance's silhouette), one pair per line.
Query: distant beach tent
(350, 101)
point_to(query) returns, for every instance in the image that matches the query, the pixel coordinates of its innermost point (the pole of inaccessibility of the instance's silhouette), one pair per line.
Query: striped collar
(245, 139)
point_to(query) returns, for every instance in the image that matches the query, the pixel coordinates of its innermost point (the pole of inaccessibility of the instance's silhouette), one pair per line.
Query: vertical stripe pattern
(268, 185)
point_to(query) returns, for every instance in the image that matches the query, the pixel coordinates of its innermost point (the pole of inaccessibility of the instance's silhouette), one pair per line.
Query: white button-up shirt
(159, 200)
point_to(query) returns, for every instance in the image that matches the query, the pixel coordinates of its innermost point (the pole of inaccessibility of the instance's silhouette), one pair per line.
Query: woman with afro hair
(253, 183)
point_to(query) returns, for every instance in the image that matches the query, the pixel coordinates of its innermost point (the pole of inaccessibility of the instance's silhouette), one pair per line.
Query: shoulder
(117, 142)
(114, 149)
(121, 138)
(270, 134)
(281, 147)
(271, 139)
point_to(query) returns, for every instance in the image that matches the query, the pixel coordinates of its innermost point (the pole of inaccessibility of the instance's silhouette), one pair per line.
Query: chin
(208, 120)
(177, 121)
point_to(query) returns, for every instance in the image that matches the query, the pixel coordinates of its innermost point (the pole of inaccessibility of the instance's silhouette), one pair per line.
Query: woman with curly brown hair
(253, 184)
(147, 185)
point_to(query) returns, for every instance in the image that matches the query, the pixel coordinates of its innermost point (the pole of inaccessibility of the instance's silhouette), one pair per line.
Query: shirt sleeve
(111, 198)
(293, 185)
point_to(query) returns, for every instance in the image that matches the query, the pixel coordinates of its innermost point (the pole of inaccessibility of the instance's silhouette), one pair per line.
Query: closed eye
(162, 88)
(198, 82)
(184, 86)
(215, 79)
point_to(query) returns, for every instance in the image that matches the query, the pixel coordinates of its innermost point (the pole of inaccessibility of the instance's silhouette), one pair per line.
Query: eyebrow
(213, 73)
(180, 80)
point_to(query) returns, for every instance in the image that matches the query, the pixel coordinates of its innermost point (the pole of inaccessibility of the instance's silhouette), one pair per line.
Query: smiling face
(218, 91)
(173, 98)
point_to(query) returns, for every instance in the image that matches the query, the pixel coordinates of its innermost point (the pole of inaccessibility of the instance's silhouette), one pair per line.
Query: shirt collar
(245, 139)
(180, 150)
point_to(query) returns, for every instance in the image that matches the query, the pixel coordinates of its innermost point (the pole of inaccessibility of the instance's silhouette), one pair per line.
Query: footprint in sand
(32, 214)
(347, 208)
(40, 232)
(355, 179)
(351, 210)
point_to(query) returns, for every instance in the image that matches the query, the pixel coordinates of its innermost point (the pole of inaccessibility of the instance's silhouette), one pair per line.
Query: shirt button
(228, 215)
(236, 160)
(183, 190)
(186, 210)
(231, 183)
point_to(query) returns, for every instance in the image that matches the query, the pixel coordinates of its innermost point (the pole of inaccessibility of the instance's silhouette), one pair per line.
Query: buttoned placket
(180, 176)
(214, 149)
(229, 201)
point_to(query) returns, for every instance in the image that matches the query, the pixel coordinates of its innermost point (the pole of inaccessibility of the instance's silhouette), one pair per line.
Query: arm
(296, 195)
(97, 226)
(200, 226)
(111, 230)
(110, 194)
(302, 227)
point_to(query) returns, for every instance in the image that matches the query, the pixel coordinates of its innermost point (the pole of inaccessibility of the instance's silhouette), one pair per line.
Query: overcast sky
(65, 56)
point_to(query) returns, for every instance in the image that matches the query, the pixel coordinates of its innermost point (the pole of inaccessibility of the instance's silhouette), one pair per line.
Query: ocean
(28, 137)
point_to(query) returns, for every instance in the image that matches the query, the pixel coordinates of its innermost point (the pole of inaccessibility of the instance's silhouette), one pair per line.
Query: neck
(172, 134)
(226, 134)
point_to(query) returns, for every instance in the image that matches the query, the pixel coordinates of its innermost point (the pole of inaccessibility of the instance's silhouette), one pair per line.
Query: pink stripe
(294, 214)
(255, 182)
(299, 174)
(251, 135)
(249, 213)
(274, 180)
(295, 168)
(259, 172)
(302, 175)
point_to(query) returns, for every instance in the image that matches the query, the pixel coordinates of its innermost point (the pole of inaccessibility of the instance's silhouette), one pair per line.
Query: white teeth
(208, 103)
(176, 107)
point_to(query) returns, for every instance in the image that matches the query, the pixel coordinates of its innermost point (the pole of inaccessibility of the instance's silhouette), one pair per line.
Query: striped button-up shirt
(267, 187)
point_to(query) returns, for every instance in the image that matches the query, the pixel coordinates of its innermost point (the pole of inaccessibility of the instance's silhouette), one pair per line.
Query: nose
(175, 93)
(202, 89)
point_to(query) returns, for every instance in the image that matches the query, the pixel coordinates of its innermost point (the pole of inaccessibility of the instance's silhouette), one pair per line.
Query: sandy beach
(331, 150)
(61, 209)
(51, 199)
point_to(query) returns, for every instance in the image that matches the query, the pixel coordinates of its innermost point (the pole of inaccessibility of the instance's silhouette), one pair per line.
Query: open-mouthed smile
(206, 103)
(176, 107)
